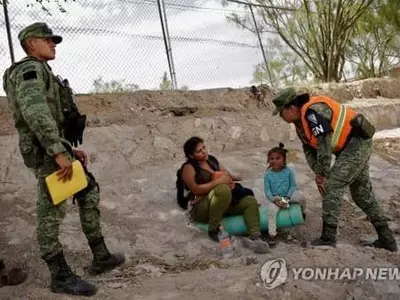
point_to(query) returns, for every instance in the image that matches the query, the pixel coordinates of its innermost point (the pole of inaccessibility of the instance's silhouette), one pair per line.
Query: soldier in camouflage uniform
(48, 124)
(326, 127)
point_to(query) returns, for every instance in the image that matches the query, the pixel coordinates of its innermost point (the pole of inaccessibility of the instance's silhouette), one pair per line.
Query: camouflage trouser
(351, 169)
(217, 205)
(50, 217)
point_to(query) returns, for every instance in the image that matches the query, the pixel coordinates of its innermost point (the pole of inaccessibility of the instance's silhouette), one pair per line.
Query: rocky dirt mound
(389, 148)
(134, 145)
(368, 88)
(169, 258)
(145, 106)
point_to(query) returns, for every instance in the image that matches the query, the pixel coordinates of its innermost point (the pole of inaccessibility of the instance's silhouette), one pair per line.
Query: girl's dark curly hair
(281, 150)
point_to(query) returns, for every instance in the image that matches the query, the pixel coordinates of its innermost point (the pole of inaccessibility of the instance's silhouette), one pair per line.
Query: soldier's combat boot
(328, 236)
(64, 281)
(103, 260)
(385, 239)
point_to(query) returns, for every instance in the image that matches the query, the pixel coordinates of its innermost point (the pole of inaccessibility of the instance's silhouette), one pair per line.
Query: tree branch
(263, 6)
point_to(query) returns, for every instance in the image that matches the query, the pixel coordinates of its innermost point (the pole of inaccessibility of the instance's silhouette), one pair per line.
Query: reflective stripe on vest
(340, 122)
(338, 127)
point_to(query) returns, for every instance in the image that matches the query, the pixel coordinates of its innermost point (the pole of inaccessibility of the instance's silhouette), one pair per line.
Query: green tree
(113, 86)
(375, 48)
(391, 11)
(284, 66)
(317, 31)
(165, 84)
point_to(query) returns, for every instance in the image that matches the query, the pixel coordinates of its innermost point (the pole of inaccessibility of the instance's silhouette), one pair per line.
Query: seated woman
(213, 195)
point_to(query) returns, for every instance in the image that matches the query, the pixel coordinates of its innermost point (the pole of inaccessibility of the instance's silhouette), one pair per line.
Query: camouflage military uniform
(38, 118)
(36, 100)
(351, 169)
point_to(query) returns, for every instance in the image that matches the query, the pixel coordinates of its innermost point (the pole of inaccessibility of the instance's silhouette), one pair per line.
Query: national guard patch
(311, 117)
(29, 75)
(318, 124)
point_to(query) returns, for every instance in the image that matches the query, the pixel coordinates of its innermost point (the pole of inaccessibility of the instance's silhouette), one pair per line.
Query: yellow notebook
(61, 191)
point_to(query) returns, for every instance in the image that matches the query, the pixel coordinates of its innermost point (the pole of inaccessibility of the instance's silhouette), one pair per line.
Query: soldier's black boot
(385, 239)
(328, 236)
(64, 281)
(103, 260)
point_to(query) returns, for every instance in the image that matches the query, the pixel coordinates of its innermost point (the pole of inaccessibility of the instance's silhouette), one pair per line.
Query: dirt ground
(134, 145)
(388, 148)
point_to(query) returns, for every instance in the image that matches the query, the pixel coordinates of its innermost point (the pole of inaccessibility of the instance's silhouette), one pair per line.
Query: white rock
(235, 132)
(264, 136)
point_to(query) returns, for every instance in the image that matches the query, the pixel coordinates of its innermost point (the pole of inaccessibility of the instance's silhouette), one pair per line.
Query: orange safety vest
(341, 117)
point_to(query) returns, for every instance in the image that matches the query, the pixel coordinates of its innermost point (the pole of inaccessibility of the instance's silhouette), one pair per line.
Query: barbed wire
(97, 31)
(262, 6)
(127, 45)
(183, 6)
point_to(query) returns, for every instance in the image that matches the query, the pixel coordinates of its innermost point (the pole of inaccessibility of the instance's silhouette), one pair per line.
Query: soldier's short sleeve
(318, 117)
(30, 90)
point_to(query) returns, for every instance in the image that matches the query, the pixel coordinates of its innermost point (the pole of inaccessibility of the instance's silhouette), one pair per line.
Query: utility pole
(167, 42)
(7, 21)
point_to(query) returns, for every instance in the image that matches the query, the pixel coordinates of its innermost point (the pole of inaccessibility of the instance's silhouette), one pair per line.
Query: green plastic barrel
(286, 217)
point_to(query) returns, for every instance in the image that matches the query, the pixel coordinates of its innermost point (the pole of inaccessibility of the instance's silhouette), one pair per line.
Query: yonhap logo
(273, 273)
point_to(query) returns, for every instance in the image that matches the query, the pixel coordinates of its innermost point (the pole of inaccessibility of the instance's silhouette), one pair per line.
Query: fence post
(261, 45)
(7, 21)
(167, 42)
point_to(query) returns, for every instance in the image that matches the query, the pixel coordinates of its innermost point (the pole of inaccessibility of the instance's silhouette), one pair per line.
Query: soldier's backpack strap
(74, 122)
(16, 64)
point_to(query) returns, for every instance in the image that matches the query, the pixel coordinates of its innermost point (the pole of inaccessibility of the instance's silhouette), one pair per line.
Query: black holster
(74, 122)
(362, 127)
(73, 127)
(92, 183)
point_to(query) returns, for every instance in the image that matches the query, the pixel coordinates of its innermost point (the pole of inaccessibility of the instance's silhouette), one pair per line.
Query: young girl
(279, 185)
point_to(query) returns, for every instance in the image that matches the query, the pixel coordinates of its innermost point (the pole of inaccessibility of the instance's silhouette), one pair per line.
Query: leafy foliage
(113, 86)
(44, 4)
(284, 65)
(375, 48)
(317, 33)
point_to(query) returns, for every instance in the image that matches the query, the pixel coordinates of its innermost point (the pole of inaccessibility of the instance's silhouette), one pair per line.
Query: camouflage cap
(283, 98)
(38, 30)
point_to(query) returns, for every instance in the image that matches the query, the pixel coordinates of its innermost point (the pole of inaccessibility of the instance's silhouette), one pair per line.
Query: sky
(122, 40)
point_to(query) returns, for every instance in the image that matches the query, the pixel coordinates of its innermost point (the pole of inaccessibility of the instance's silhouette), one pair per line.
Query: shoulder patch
(29, 75)
(311, 117)
(318, 124)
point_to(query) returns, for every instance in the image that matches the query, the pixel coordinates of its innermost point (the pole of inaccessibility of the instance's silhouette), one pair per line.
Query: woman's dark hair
(190, 145)
(300, 100)
(280, 149)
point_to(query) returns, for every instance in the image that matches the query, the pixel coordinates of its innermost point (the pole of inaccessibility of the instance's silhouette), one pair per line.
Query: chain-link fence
(119, 44)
